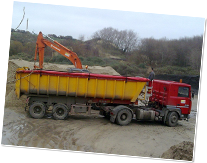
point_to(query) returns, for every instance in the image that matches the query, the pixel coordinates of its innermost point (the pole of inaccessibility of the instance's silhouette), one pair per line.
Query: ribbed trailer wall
(42, 82)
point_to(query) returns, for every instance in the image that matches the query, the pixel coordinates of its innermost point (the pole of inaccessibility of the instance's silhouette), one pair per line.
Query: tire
(37, 110)
(60, 111)
(124, 117)
(172, 119)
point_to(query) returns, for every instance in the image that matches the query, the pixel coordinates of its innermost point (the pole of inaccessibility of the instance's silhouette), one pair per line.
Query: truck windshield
(183, 92)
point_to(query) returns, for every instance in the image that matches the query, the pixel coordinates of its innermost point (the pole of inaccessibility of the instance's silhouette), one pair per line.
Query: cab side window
(183, 92)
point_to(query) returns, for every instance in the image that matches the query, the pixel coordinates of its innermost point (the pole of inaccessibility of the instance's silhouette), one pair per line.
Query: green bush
(142, 65)
(23, 56)
(176, 70)
(93, 61)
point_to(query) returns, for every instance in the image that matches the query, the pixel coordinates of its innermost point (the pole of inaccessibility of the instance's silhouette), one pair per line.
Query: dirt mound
(61, 67)
(10, 98)
(55, 68)
(22, 63)
(11, 77)
(182, 151)
(12, 101)
(103, 70)
(11, 71)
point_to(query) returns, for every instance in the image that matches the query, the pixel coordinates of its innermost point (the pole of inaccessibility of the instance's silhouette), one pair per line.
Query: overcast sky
(76, 21)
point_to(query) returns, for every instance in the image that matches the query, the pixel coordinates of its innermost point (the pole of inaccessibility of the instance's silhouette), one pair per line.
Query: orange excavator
(40, 47)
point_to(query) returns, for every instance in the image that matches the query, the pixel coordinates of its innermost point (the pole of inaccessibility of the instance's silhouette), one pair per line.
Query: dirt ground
(93, 133)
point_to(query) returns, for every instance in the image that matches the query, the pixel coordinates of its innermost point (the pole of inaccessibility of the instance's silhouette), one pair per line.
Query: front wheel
(124, 117)
(172, 119)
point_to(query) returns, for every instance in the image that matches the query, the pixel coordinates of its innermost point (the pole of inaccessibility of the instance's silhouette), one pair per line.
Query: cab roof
(171, 83)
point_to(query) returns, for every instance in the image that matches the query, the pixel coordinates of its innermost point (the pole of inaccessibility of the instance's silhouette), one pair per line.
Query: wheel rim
(60, 111)
(174, 119)
(123, 117)
(37, 110)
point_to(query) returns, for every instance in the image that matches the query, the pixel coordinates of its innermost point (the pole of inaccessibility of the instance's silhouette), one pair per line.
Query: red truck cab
(172, 96)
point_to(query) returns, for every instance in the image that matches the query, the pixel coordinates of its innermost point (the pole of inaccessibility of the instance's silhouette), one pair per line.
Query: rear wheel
(172, 119)
(37, 110)
(60, 111)
(124, 117)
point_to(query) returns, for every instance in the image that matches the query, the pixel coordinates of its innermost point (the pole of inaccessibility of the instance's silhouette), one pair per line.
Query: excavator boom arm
(42, 43)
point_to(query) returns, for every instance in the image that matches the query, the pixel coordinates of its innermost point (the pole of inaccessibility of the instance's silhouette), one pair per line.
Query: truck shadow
(103, 120)
(148, 123)
(151, 123)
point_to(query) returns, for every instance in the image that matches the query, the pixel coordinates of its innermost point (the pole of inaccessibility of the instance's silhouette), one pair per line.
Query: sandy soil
(91, 133)
(50, 66)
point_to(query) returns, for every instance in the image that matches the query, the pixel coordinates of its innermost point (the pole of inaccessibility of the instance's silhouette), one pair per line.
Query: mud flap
(112, 119)
(113, 114)
(27, 104)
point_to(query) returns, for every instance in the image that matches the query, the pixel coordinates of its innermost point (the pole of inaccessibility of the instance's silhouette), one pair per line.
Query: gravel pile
(182, 151)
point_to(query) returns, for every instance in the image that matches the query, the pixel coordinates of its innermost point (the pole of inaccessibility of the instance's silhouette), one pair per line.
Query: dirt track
(92, 134)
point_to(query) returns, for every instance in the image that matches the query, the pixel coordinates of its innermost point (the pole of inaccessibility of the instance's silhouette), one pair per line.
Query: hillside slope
(98, 52)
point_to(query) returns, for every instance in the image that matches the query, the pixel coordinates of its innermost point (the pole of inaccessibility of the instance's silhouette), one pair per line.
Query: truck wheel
(124, 117)
(60, 111)
(172, 119)
(37, 110)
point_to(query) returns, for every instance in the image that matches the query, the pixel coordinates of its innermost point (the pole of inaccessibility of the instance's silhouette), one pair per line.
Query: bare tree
(82, 38)
(195, 58)
(126, 40)
(148, 48)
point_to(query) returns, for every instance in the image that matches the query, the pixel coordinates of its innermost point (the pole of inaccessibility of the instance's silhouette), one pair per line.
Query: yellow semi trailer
(69, 93)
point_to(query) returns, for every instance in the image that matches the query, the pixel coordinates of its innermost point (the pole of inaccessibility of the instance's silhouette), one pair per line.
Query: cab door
(184, 99)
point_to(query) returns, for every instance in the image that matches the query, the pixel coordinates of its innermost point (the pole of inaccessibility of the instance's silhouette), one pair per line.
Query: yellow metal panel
(140, 86)
(72, 86)
(38, 83)
(123, 90)
(105, 88)
(76, 90)
(109, 89)
(53, 85)
(42, 84)
(62, 85)
(114, 90)
(86, 87)
(28, 84)
(130, 90)
(81, 86)
(48, 84)
(17, 85)
(100, 89)
(119, 91)
(95, 88)
(67, 86)
(33, 83)
(57, 91)
(24, 83)
(91, 88)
